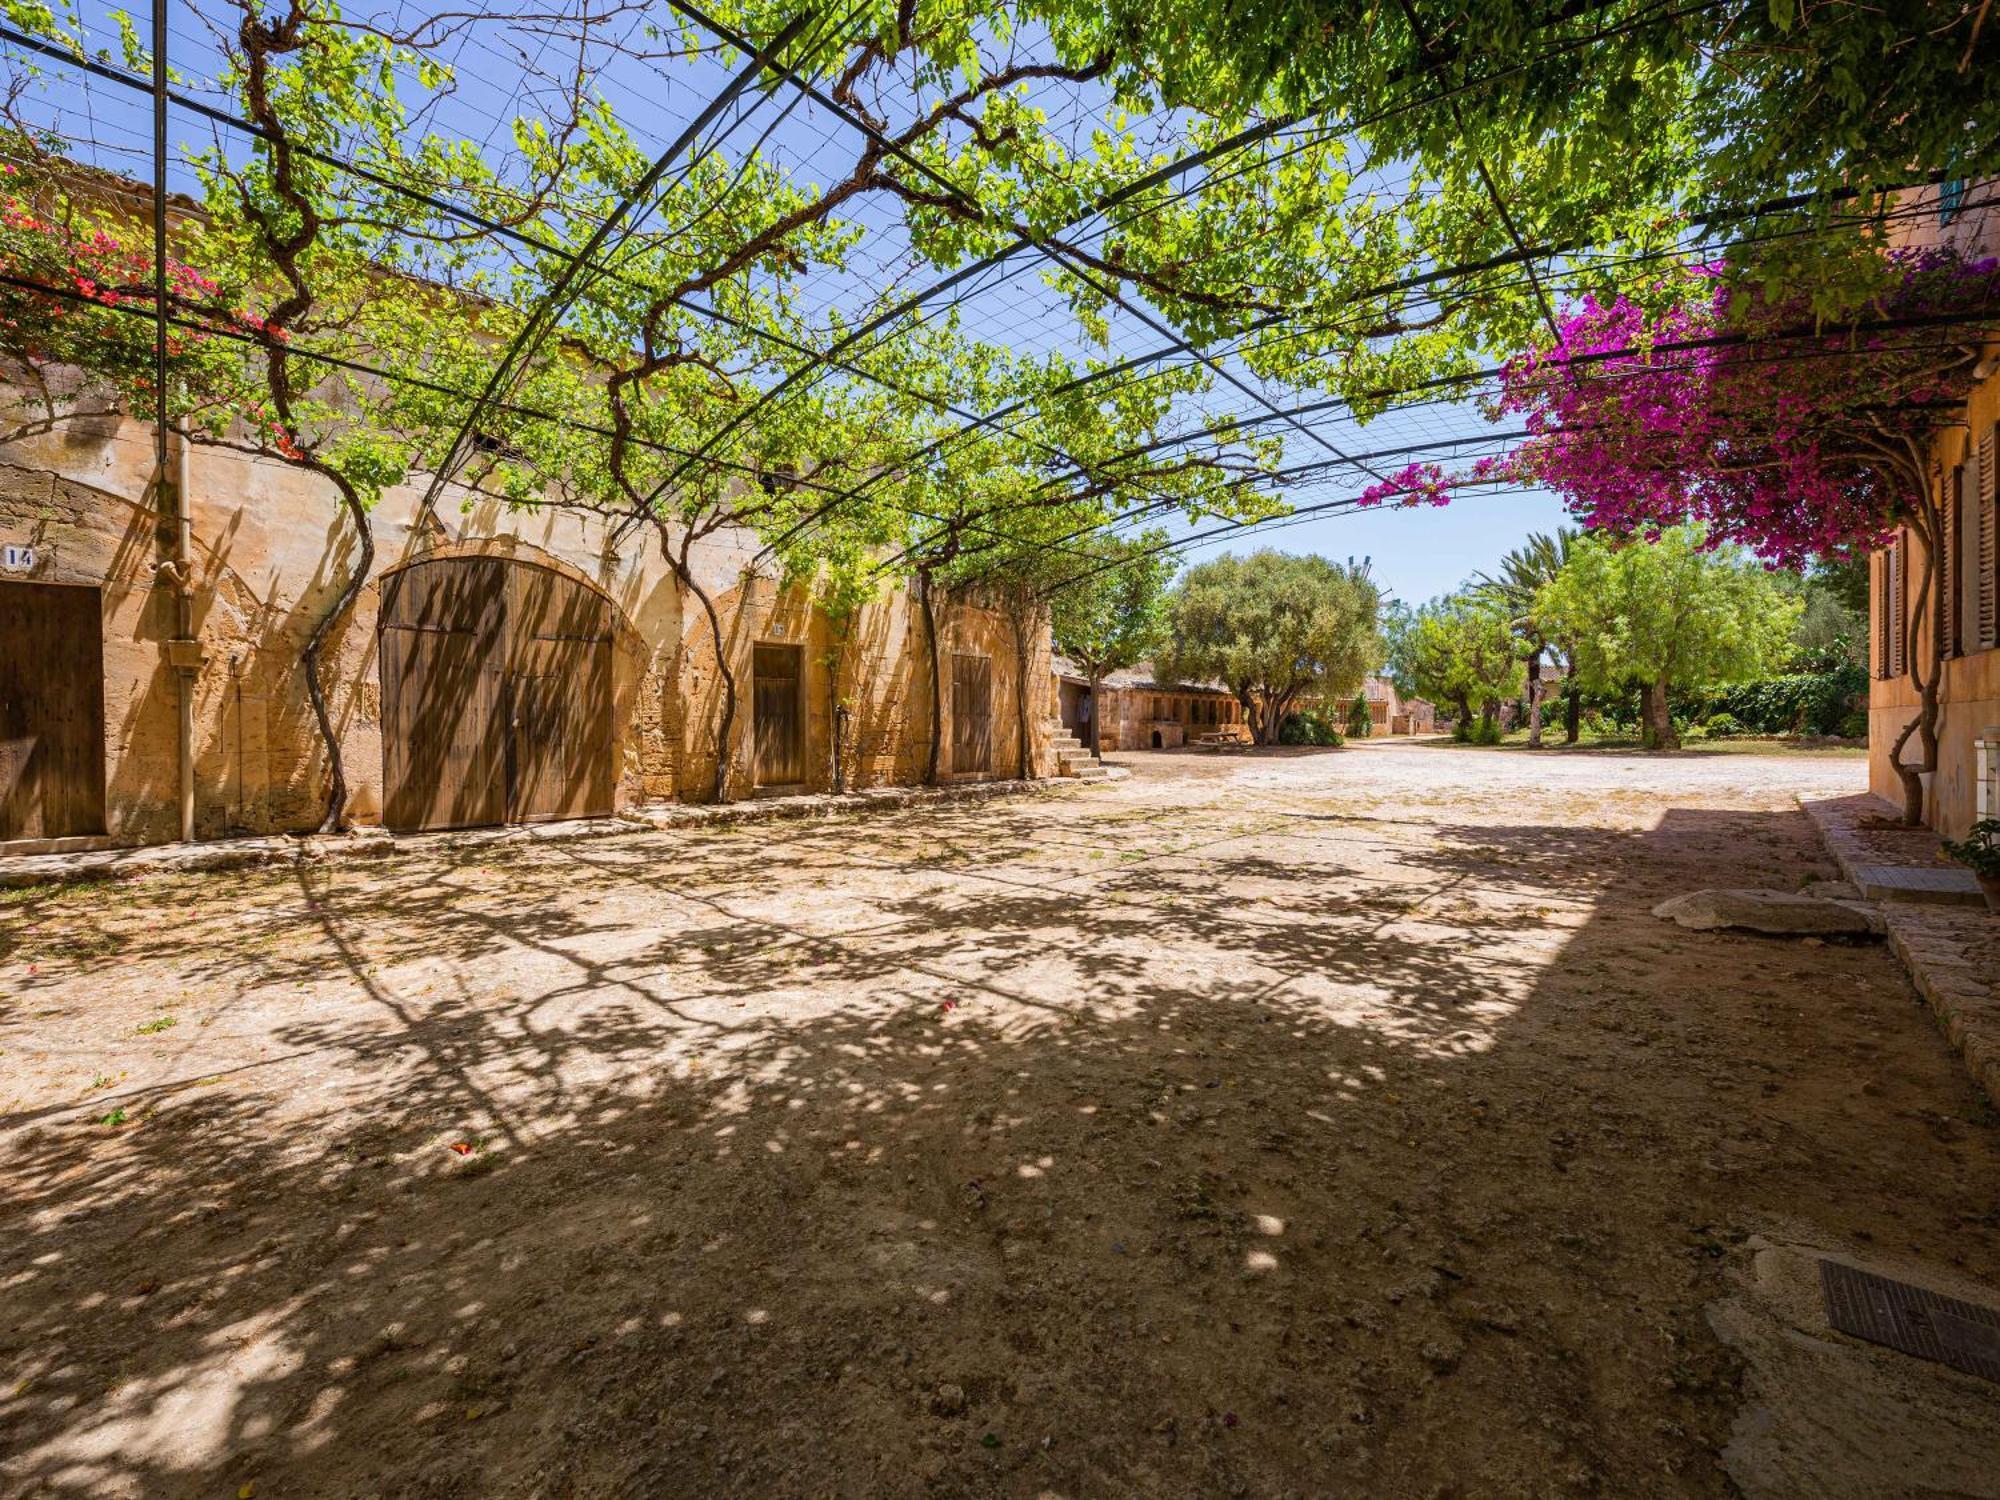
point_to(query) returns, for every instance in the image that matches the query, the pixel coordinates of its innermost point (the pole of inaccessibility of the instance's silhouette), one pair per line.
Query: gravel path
(1312, 1123)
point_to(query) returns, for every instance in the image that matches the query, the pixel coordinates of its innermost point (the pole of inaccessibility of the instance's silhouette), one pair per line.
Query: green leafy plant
(1724, 726)
(1359, 725)
(1309, 728)
(1667, 611)
(1979, 850)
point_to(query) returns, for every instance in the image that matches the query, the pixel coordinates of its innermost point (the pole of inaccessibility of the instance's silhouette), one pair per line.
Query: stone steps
(1072, 760)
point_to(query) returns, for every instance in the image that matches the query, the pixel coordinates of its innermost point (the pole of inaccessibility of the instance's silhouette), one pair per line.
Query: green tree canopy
(1276, 630)
(1111, 613)
(1461, 650)
(1517, 588)
(1667, 614)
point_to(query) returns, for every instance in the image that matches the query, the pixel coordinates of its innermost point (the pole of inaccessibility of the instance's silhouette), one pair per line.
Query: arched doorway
(496, 695)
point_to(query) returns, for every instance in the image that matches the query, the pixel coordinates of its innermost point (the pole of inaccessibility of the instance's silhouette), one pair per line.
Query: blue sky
(1420, 553)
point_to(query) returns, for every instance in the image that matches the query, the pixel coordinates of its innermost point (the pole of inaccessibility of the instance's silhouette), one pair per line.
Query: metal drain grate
(1908, 1318)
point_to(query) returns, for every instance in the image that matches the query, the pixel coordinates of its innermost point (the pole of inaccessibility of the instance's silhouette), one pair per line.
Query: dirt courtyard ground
(1312, 1124)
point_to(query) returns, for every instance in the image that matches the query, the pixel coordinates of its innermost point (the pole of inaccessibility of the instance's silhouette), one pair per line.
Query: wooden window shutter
(1987, 609)
(1947, 569)
(1965, 551)
(1879, 592)
(1899, 572)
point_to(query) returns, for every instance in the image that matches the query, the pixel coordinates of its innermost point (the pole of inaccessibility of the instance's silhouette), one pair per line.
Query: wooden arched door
(496, 695)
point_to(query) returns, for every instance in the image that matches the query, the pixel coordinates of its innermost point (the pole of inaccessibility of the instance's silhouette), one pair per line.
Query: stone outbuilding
(1135, 710)
(1391, 713)
(501, 665)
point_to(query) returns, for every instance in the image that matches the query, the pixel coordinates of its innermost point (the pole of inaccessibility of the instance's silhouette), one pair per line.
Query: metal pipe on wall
(184, 630)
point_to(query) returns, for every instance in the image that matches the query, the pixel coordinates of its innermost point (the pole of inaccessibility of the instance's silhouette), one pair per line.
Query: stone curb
(375, 843)
(1928, 940)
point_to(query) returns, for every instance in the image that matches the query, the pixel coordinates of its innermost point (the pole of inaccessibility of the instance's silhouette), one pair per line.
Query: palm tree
(1524, 573)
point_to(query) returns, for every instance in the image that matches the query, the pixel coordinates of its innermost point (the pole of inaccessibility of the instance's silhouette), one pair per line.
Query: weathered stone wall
(270, 552)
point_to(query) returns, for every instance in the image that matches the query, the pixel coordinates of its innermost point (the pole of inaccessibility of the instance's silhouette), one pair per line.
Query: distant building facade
(1136, 711)
(1389, 712)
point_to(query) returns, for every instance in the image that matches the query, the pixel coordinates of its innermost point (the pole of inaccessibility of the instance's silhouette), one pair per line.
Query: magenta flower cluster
(1723, 407)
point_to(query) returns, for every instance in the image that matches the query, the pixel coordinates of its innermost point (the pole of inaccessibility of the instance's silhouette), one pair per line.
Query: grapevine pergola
(898, 288)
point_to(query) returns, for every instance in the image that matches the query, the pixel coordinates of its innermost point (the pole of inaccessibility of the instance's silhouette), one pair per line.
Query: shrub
(1359, 724)
(1485, 732)
(1796, 702)
(1722, 726)
(1854, 726)
(1308, 728)
(1979, 850)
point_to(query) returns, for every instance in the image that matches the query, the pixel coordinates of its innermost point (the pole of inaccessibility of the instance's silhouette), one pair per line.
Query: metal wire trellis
(583, 262)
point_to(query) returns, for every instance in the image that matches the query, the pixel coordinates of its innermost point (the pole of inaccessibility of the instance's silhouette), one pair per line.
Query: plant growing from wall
(1979, 851)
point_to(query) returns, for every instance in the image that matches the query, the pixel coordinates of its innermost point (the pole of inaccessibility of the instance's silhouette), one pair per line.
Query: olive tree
(1275, 629)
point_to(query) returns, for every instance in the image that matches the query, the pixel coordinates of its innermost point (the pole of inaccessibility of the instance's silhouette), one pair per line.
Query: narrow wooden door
(971, 713)
(51, 711)
(776, 688)
(559, 698)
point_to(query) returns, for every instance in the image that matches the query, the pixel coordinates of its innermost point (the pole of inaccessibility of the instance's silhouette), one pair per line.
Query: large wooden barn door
(51, 711)
(559, 688)
(496, 695)
(971, 713)
(443, 648)
(780, 727)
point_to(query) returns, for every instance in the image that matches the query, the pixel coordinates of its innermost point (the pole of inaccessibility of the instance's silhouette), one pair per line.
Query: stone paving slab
(1945, 885)
(1951, 949)
(376, 843)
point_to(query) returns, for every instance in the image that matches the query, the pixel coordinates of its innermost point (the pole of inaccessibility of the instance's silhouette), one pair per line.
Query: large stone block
(1780, 913)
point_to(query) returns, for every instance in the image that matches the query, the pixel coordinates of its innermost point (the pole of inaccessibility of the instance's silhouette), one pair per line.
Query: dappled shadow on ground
(1113, 1148)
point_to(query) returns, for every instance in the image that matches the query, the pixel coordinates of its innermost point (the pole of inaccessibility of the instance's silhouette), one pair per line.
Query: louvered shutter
(1965, 551)
(1988, 608)
(1899, 568)
(1880, 594)
(1947, 569)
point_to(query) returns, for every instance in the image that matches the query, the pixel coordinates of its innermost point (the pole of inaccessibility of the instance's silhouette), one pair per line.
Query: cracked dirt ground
(1326, 1123)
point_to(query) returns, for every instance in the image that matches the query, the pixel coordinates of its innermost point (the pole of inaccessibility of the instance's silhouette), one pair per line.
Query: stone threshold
(1947, 947)
(376, 843)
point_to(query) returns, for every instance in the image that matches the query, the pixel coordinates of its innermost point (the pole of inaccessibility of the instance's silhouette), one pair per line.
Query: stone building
(1135, 711)
(1964, 610)
(500, 666)
(1391, 713)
